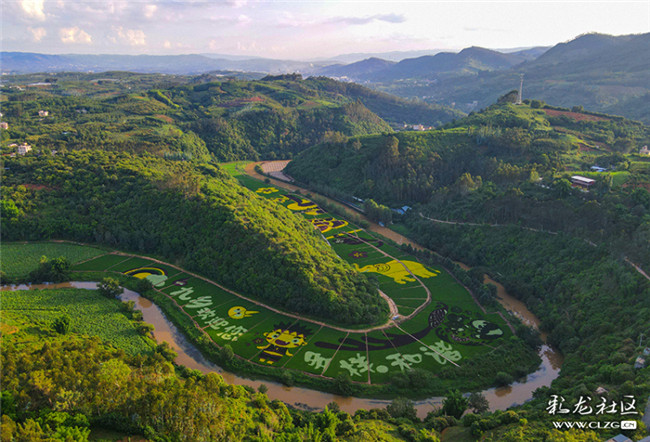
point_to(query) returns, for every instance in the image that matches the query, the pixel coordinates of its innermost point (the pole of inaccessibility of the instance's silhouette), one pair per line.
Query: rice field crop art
(313, 358)
(401, 272)
(245, 337)
(157, 274)
(282, 341)
(455, 326)
(195, 293)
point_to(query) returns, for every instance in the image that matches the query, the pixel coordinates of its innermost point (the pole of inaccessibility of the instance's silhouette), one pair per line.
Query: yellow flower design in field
(394, 269)
(280, 199)
(266, 190)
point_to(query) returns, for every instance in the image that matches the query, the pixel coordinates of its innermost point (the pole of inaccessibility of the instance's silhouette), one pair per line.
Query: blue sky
(304, 29)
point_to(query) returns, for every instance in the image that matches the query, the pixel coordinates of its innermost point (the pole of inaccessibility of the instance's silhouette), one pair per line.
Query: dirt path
(391, 304)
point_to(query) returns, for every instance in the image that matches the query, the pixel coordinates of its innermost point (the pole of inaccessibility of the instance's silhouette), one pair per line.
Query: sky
(304, 29)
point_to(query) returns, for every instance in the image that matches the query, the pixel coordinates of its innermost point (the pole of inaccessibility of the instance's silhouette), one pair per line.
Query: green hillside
(196, 216)
(201, 118)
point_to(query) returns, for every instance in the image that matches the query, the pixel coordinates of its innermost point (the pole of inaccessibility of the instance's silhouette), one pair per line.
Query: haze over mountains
(601, 72)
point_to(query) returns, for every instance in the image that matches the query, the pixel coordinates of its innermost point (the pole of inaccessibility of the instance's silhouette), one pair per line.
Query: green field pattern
(18, 259)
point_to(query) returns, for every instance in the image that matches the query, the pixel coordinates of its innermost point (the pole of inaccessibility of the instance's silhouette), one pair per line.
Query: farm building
(43, 113)
(402, 210)
(23, 149)
(598, 169)
(639, 362)
(601, 391)
(4, 125)
(582, 181)
(644, 150)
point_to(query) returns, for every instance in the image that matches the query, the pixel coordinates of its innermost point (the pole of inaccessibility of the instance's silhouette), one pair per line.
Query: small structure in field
(644, 151)
(4, 125)
(43, 113)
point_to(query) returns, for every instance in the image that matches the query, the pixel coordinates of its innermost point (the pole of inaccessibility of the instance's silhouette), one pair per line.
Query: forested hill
(198, 117)
(195, 216)
(508, 164)
(494, 191)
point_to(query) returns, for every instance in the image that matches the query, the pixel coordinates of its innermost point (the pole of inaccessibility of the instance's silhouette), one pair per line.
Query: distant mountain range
(470, 60)
(30, 62)
(601, 72)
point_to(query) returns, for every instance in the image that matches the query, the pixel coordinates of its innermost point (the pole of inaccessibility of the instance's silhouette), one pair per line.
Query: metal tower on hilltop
(521, 88)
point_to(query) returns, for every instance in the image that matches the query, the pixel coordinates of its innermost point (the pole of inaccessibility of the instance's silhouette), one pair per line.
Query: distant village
(23, 148)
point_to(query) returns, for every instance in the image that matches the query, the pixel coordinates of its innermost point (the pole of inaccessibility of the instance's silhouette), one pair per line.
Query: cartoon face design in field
(239, 312)
(266, 190)
(154, 275)
(301, 204)
(459, 327)
(486, 330)
(327, 224)
(280, 340)
(394, 269)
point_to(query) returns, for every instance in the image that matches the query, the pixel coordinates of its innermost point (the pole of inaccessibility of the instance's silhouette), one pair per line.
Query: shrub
(61, 325)
(110, 287)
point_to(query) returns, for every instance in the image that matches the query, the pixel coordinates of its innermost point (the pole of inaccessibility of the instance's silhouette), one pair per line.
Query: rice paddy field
(18, 259)
(90, 314)
(438, 322)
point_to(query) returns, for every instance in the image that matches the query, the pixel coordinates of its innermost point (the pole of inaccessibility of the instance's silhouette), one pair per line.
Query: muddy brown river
(303, 398)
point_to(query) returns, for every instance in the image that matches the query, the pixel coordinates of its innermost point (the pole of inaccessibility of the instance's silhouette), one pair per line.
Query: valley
(321, 267)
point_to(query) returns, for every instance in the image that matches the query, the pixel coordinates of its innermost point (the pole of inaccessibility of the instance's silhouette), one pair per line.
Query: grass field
(18, 259)
(90, 314)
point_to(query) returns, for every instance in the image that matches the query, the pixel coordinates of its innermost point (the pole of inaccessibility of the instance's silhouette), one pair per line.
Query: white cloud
(133, 37)
(243, 19)
(150, 10)
(75, 35)
(167, 44)
(33, 8)
(37, 33)
(237, 3)
(247, 47)
(303, 21)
